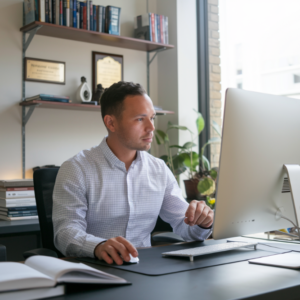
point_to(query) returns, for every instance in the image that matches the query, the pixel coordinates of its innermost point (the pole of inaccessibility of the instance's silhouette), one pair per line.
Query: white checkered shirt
(95, 198)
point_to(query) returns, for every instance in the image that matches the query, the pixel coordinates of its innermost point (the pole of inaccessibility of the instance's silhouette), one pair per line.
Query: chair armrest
(167, 237)
(40, 251)
(2, 253)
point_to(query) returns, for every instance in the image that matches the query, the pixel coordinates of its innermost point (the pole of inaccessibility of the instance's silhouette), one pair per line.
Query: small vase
(191, 189)
(84, 93)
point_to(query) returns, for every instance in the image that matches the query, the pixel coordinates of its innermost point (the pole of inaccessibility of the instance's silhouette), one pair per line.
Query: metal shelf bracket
(32, 32)
(149, 61)
(28, 115)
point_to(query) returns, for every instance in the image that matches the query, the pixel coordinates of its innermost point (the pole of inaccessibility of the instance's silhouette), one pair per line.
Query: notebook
(42, 272)
(286, 260)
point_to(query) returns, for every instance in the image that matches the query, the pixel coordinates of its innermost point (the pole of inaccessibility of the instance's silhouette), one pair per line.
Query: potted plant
(201, 178)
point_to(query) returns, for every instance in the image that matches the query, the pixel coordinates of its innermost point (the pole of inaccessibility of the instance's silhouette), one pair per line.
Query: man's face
(135, 124)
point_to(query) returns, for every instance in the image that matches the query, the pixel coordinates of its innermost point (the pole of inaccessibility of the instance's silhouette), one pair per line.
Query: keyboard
(192, 252)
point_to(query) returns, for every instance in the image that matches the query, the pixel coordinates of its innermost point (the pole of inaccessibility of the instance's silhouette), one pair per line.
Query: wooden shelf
(87, 36)
(73, 106)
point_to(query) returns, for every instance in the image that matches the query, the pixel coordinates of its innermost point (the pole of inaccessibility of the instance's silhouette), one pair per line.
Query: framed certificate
(47, 71)
(107, 69)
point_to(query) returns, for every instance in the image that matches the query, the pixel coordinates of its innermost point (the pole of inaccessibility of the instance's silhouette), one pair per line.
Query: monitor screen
(260, 134)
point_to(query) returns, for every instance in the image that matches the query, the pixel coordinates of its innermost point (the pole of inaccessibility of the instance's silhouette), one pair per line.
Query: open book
(43, 271)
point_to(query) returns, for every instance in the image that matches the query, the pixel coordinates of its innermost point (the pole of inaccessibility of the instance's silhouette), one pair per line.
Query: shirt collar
(112, 159)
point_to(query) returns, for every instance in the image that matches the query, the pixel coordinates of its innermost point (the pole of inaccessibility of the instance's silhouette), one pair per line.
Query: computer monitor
(260, 134)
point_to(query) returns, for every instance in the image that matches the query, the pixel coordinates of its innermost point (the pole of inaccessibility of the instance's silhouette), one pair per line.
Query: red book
(153, 27)
(161, 29)
(11, 189)
(84, 17)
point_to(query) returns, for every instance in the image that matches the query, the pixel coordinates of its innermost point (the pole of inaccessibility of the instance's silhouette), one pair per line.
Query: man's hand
(198, 213)
(111, 250)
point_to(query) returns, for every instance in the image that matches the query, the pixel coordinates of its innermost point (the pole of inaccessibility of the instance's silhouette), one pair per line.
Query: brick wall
(214, 75)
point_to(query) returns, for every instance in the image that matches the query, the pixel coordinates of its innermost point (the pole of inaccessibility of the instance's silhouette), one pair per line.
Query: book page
(56, 268)
(14, 276)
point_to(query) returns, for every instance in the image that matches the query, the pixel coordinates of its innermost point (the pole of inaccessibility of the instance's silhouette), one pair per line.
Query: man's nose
(150, 126)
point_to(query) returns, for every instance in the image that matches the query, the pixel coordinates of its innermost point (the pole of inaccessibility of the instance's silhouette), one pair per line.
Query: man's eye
(153, 118)
(140, 119)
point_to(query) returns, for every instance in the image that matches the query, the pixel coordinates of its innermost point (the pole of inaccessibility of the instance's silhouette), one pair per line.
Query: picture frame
(107, 69)
(43, 70)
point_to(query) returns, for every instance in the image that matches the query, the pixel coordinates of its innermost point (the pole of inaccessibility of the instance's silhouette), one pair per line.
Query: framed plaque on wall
(107, 69)
(47, 71)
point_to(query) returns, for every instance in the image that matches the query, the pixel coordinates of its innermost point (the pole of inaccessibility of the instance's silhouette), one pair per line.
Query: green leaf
(187, 160)
(206, 186)
(213, 173)
(177, 127)
(217, 128)
(177, 146)
(157, 139)
(200, 123)
(206, 163)
(164, 158)
(164, 137)
(178, 163)
(189, 145)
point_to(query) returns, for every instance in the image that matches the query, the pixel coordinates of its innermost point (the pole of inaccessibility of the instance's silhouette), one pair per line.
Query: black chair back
(44, 181)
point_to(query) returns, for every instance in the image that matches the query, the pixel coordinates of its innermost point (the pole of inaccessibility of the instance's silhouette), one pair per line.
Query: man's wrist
(97, 246)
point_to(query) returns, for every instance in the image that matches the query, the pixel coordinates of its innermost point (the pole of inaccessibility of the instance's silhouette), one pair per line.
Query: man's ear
(110, 122)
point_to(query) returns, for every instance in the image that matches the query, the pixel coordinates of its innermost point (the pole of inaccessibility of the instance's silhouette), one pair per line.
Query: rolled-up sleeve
(70, 206)
(173, 212)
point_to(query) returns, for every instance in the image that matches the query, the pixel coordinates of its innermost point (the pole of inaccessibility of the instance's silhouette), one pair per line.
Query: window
(296, 78)
(259, 53)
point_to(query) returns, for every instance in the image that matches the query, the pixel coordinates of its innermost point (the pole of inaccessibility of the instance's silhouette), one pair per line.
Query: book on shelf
(4, 194)
(71, 13)
(5, 218)
(46, 96)
(41, 275)
(78, 14)
(16, 183)
(17, 202)
(112, 18)
(95, 18)
(19, 213)
(151, 27)
(13, 189)
(29, 11)
(18, 208)
(90, 103)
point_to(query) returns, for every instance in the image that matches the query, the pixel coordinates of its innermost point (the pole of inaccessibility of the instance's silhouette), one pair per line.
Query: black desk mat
(152, 263)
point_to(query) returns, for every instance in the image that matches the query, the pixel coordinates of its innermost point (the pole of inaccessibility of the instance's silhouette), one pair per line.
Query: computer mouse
(133, 260)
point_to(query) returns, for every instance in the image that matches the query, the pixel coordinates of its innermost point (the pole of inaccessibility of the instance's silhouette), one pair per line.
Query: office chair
(44, 181)
(2, 253)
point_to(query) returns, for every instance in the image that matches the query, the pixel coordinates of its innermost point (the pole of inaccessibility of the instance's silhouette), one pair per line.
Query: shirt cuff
(89, 246)
(201, 233)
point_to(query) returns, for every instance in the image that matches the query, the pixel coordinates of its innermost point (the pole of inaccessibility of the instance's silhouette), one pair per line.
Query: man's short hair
(113, 97)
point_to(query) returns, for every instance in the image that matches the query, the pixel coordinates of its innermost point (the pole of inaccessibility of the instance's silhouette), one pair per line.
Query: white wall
(54, 135)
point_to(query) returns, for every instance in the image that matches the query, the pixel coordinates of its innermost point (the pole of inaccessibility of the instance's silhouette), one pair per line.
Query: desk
(19, 236)
(239, 280)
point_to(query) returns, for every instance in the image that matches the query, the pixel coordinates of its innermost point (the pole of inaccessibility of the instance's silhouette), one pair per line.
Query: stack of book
(46, 97)
(74, 13)
(152, 27)
(17, 200)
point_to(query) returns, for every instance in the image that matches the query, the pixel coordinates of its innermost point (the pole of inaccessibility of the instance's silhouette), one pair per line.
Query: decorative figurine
(84, 93)
(98, 93)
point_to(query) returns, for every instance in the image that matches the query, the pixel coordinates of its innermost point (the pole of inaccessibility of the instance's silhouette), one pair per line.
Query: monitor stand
(293, 173)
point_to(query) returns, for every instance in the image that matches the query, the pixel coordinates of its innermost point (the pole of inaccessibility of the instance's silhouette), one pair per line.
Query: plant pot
(191, 189)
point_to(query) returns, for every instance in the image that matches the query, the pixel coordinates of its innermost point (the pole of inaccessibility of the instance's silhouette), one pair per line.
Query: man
(107, 199)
